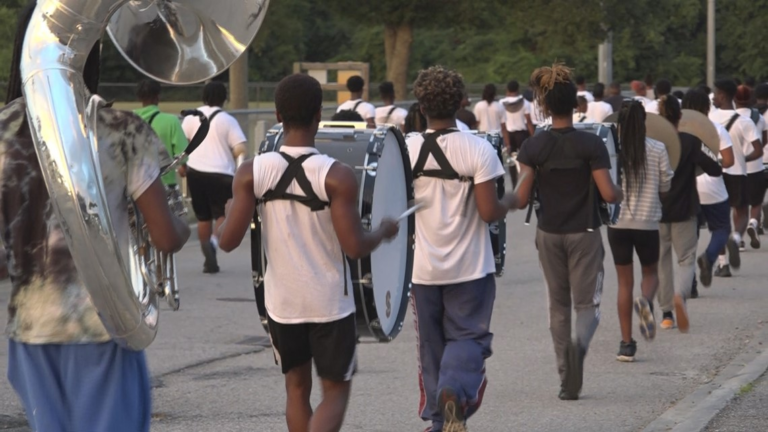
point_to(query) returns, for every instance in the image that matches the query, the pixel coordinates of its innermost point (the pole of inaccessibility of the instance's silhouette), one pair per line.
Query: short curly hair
(439, 92)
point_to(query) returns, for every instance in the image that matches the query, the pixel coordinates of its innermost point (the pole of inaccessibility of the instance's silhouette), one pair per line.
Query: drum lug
(370, 169)
(366, 220)
(366, 281)
(257, 279)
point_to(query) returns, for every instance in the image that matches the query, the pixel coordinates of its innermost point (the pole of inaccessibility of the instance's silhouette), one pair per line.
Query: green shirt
(168, 128)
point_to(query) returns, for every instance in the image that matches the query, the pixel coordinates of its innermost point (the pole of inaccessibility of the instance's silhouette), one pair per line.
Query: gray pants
(573, 268)
(680, 236)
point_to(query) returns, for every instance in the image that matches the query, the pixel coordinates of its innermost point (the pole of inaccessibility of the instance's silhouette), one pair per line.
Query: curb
(694, 412)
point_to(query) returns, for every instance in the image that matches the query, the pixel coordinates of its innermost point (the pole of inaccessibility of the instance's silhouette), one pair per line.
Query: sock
(753, 223)
(722, 261)
(215, 242)
(737, 237)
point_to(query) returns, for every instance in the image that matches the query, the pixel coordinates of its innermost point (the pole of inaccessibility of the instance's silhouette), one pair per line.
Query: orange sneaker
(667, 321)
(682, 314)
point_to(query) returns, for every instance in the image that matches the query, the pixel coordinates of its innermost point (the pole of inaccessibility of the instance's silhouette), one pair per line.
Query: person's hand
(389, 228)
(182, 170)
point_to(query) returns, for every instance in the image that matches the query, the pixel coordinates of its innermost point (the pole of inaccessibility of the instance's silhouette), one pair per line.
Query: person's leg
(684, 241)
(740, 220)
(622, 249)
(467, 319)
(666, 291)
(292, 351)
(427, 306)
(34, 373)
(199, 191)
(329, 415)
(554, 264)
(755, 195)
(647, 247)
(298, 389)
(107, 387)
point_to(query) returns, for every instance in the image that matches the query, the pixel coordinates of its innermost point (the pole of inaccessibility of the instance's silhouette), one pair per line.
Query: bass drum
(498, 229)
(381, 281)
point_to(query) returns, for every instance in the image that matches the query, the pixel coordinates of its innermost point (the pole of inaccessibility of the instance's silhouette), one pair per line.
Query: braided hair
(14, 89)
(554, 90)
(632, 140)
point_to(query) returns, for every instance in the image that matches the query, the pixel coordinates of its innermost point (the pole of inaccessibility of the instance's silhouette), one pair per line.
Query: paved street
(212, 374)
(747, 411)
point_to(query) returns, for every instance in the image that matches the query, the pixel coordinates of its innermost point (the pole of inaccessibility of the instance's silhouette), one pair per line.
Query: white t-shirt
(537, 117)
(489, 118)
(653, 106)
(587, 95)
(754, 166)
(712, 189)
(582, 118)
(383, 116)
(742, 133)
(599, 110)
(306, 272)
(460, 125)
(215, 152)
(643, 100)
(453, 244)
(365, 109)
(516, 121)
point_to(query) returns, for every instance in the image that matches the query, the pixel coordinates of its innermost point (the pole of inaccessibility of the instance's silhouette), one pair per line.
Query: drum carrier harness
(295, 171)
(446, 171)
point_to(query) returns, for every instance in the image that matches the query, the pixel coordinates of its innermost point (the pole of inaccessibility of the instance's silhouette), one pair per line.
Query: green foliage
(9, 13)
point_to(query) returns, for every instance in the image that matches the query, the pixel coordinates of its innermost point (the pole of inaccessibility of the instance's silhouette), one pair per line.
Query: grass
(746, 388)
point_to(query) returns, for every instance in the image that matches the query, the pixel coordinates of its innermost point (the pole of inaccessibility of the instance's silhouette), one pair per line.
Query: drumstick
(520, 181)
(410, 211)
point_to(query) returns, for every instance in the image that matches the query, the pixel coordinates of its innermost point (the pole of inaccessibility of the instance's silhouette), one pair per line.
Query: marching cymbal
(660, 129)
(699, 125)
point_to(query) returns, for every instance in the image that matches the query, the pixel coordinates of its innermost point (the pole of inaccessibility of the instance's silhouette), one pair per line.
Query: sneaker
(742, 247)
(705, 271)
(627, 351)
(453, 413)
(754, 238)
(667, 321)
(765, 216)
(209, 252)
(682, 314)
(734, 253)
(646, 323)
(723, 271)
(760, 230)
(574, 372)
(694, 288)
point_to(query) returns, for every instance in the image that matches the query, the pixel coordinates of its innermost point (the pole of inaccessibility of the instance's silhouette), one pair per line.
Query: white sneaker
(753, 235)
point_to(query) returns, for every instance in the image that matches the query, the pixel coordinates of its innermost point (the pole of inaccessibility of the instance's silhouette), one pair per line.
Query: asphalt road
(211, 372)
(746, 413)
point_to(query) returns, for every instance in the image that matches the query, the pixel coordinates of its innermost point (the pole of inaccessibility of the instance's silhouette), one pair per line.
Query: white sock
(753, 222)
(215, 242)
(722, 261)
(736, 236)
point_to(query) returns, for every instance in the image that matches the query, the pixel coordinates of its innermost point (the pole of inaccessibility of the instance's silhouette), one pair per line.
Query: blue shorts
(81, 387)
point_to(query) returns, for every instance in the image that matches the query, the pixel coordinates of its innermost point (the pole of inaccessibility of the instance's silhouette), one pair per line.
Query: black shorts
(332, 345)
(756, 188)
(736, 185)
(209, 192)
(517, 138)
(626, 241)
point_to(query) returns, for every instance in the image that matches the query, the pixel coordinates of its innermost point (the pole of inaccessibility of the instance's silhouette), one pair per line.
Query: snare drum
(382, 280)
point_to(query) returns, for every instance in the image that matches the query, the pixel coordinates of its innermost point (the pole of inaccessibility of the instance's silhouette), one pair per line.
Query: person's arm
(757, 151)
(180, 143)
(507, 137)
(529, 124)
(524, 185)
(727, 157)
(749, 133)
(167, 231)
(341, 187)
(665, 172)
(236, 139)
(239, 210)
(489, 206)
(707, 164)
(609, 190)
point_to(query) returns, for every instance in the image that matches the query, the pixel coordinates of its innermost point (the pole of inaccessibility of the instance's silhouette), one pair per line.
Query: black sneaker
(574, 372)
(627, 351)
(694, 289)
(734, 254)
(452, 411)
(723, 271)
(760, 230)
(209, 252)
(705, 271)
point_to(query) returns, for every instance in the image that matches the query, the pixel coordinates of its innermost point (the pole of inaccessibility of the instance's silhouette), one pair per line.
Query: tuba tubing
(58, 41)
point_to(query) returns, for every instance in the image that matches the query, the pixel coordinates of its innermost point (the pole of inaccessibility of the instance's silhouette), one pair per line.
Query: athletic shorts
(624, 242)
(517, 138)
(755, 188)
(209, 192)
(736, 185)
(332, 345)
(81, 387)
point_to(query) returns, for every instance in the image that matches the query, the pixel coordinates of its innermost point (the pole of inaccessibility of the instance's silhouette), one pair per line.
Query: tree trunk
(397, 50)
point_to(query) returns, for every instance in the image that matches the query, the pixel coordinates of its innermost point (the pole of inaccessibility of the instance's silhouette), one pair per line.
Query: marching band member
(389, 113)
(488, 112)
(678, 229)
(517, 126)
(761, 104)
(755, 170)
(746, 148)
(662, 88)
(66, 369)
(355, 85)
(453, 271)
(713, 197)
(615, 99)
(641, 93)
(211, 167)
(646, 173)
(582, 107)
(599, 109)
(567, 164)
(581, 89)
(311, 306)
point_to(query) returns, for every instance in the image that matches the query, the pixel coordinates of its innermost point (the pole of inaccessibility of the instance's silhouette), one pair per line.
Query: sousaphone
(175, 42)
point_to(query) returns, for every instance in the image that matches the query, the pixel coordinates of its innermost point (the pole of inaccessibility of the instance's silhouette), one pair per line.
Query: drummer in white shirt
(489, 113)
(581, 116)
(641, 90)
(663, 88)
(389, 113)
(581, 89)
(755, 169)
(517, 126)
(597, 109)
(355, 85)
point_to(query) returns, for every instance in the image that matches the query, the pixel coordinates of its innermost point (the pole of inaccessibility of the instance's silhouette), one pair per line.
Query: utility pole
(710, 43)
(238, 82)
(605, 61)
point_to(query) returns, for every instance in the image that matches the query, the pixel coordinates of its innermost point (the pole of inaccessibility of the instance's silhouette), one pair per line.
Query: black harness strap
(446, 171)
(389, 114)
(152, 118)
(295, 172)
(732, 121)
(354, 108)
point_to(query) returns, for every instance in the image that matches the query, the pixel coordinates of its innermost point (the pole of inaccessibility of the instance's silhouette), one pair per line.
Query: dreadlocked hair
(632, 142)
(439, 92)
(553, 90)
(669, 108)
(14, 89)
(697, 100)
